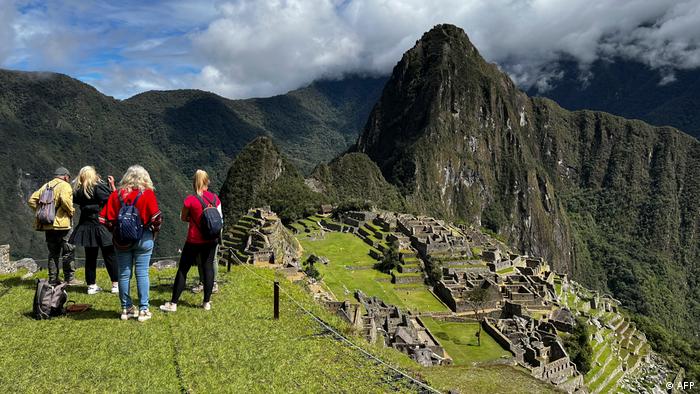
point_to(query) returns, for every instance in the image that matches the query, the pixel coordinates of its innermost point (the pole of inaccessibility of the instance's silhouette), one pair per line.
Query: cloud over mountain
(251, 48)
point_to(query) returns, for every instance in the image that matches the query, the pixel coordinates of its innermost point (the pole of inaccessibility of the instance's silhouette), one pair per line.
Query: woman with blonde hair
(200, 246)
(135, 194)
(91, 193)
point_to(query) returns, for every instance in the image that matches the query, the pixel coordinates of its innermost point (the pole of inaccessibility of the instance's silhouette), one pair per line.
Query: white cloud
(243, 48)
(268, 47)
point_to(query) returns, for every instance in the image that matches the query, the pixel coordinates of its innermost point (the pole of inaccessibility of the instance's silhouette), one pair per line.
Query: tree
(390, 260)
(477, 300)
(310, 267)
(579, 347)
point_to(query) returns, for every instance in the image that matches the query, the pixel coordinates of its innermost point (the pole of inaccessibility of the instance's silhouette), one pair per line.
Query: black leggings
(201, 255)
(91, 263)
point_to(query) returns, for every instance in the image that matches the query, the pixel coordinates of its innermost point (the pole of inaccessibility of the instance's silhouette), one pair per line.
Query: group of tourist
(122, 222)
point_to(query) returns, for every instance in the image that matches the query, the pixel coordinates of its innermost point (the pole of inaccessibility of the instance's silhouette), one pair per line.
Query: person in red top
(198, 249)
(135, 188)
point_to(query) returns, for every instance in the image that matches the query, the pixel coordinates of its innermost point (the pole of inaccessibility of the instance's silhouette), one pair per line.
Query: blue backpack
(129, 224)
(211, 222)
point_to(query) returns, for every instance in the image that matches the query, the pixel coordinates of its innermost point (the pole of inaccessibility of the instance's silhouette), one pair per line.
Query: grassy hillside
(235, 347)
(351, 268)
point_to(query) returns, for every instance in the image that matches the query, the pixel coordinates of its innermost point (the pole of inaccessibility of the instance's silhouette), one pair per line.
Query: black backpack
(211, 222)
(49, 300)
(129, 224)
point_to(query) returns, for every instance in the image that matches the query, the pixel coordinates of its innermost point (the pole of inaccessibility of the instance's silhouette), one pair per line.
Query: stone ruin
(454, 289)
(531, 286)
(262, 240)
(432, 237)
(536, 347)
(403, 332)
(7, 266)
(4, 257)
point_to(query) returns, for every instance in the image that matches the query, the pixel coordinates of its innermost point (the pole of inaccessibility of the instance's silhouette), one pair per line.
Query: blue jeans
(138, 256)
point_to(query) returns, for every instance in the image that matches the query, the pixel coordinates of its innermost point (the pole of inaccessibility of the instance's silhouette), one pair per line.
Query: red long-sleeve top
(147, 206)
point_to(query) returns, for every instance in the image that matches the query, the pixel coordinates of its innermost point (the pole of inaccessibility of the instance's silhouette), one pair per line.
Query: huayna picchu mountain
(611, 201)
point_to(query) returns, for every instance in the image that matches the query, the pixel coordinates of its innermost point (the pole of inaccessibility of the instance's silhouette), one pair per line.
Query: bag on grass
(49, 300)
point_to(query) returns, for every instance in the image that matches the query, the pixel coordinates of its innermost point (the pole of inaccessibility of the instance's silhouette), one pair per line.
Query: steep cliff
(456, 136)
(610, 200)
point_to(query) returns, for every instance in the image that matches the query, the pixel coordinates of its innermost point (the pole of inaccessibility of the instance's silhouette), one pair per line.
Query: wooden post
(277, 301)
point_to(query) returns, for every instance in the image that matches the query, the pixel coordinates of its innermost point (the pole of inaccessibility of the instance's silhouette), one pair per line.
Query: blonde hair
(136, 177)
(86, 180)
(200, 181)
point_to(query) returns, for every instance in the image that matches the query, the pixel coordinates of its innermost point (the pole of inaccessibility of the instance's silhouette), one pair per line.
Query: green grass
(485, 379)
(236, 347)
(347, 250)
(557, 289)
(459, 340)
(505, 271)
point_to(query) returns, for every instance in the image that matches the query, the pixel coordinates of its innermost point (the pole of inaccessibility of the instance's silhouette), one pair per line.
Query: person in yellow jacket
(57, 233)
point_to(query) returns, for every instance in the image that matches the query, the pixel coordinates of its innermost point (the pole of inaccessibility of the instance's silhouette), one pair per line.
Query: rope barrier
(343, 338)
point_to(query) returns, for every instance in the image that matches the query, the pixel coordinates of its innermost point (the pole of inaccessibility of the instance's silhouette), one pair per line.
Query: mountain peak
(447, 35)
(442, 76)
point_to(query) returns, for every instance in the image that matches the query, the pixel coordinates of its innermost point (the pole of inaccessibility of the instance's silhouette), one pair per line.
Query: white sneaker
(115, 288)
(144, 315)
(93, 289)
(168, 307)
(198, 288)
(127, 313)
(206, 306)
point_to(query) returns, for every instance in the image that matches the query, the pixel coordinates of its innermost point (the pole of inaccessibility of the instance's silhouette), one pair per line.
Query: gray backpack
(49, 300)
(46, 208)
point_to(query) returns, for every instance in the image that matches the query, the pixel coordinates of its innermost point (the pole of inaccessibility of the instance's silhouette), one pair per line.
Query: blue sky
(246, 48)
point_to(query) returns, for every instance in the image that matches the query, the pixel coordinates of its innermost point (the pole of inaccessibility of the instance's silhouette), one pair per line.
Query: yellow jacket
(63, 197)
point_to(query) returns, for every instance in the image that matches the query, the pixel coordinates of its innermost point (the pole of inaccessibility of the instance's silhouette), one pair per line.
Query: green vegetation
(485, 379)
(235, 347)
(461, 342)
(390, 259)
(62, 121)
(354, 181)
(578, 346)
(622, 87)
(309, 267)
(352, 268)
(260, 175)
